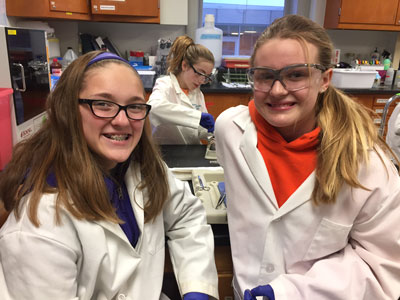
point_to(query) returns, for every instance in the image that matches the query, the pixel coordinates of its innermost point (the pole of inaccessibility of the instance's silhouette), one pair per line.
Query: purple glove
(195, 296)
(261, 290)
(207, 121)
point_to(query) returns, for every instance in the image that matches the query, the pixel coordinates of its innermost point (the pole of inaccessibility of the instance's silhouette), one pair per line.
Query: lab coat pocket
(329, 238)
(154, 232)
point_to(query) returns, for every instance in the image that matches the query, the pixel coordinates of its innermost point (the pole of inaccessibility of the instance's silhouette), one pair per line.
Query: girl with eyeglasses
(179, 114)
(313, 199)
(92, 204)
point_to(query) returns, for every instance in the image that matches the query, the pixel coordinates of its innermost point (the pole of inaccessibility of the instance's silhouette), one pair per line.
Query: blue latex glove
(195, 296)
(207, 121)
(261, 290)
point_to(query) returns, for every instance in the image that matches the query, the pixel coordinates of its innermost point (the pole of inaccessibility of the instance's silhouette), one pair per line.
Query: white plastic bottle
(69, 56)
(389, 77)
(211, 37)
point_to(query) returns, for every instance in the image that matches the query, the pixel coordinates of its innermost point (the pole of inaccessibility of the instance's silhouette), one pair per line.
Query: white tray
(205, 186)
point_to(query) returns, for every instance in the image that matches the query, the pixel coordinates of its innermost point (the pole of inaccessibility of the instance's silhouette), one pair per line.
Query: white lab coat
(94, 260)
(174, 116)
(393, 131)
(349, 250)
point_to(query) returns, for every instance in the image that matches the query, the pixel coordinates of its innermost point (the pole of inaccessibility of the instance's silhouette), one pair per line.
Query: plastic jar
(211, 37)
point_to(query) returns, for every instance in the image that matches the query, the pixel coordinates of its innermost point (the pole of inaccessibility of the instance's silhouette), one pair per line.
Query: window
(242, 21)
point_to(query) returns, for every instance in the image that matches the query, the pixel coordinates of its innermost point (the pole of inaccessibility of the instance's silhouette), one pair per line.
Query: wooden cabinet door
(76, 6)
(216, 103)
(55, 9)
(140, 8)
(369, 12)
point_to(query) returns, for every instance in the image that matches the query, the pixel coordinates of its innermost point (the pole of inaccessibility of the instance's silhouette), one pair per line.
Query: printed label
(381, 101)
(11, 32)
(56, 72)
(209, 36)
(107, 7)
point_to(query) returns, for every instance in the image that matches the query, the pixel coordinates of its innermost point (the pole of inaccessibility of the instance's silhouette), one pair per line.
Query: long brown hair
(184, 49)
(59, 147)
(347, 129)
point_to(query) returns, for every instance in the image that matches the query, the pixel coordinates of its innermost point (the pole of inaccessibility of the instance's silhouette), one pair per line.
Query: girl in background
(179, 114)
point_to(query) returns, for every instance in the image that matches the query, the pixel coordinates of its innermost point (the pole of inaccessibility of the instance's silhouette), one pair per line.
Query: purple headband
(106, 55)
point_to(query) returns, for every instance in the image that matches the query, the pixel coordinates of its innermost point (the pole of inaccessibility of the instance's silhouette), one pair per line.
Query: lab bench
(193, 156)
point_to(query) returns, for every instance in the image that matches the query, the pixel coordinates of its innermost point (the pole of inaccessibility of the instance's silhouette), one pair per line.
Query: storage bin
(236, 62)
(353, 79)
(5, 127)
(147, 78)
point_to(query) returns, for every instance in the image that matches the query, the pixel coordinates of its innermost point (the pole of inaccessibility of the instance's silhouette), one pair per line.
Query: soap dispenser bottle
(375, 55)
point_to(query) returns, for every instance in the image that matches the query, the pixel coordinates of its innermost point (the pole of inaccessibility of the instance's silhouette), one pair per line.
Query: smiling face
(113, 139)
(291, 113)
(189, 79)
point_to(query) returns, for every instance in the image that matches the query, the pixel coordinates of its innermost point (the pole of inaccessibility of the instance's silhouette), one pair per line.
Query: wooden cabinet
(216, 103)
(73, 6)
(59, 9)
(379, 102)
(376, 103)
(125, 8)
(135, 11)
(362, 14)
(223, 261)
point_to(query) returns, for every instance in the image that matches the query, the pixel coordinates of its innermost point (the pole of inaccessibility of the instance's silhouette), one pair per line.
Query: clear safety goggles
(293, 78)
(204, 77)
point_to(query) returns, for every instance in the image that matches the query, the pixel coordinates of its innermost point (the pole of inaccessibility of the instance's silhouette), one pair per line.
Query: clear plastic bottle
(211, 37)
(69, 57)
(389, 77)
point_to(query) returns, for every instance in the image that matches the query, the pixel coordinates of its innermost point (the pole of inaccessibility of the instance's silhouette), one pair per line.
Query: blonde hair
(184, 49)
(347, 129)
(60, 147)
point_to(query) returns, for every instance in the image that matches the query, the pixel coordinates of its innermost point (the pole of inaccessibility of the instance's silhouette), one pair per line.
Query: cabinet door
(369, 11)
(142, 8)
(362, 14)
(216, 103)
(55, 9)
(76, 6)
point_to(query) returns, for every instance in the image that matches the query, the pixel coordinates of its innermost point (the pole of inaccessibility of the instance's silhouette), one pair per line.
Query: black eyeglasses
(205, 78)
(293, 77)
(108, 109)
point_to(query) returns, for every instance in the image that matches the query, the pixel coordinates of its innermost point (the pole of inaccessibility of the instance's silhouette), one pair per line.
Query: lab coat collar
(253, 158)
(300, 196)
(178, 90)
(175, 84)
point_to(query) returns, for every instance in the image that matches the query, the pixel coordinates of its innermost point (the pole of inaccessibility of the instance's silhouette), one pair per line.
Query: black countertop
(186, 156)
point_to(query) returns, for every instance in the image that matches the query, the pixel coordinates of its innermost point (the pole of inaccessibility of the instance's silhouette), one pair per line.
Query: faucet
(385, 112)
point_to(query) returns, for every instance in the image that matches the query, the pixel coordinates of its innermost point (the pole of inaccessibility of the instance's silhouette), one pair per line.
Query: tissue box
(353, 79)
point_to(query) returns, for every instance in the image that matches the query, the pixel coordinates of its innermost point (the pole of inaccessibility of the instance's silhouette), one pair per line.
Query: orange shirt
(186, 91)
(288, 164)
